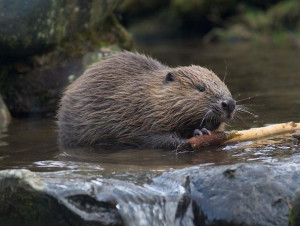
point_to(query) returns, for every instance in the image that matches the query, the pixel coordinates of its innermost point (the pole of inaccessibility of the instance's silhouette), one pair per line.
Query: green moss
(276, 24)
(103, 44)
(20, 203)
(23, 92)
(291, 218)
(285, 15)
(280, 38)
(256, 20)
(113, 33)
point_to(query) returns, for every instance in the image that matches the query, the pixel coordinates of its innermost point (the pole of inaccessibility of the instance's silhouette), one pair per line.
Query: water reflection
(268, 150)
(3, 133)
(271, 75)
(32, 145)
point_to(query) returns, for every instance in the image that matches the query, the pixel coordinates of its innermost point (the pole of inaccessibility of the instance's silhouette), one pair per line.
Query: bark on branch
(219, 138)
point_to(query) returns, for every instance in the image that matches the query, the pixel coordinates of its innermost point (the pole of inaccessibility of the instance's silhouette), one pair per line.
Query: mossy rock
(44, 44)
(34, 84)
(294, 218)
(26, 200)
(239, 194)
(32, 26)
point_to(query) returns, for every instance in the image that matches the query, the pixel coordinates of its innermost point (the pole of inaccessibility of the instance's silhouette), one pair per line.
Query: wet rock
(45, 199)
(31, 26)
(33, 84)
(242, 194)
(44, 45)
(296, 137)
(27, 200)
(4, 114)
(295, 211)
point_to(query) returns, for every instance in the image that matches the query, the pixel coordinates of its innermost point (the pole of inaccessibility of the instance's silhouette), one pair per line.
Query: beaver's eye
(201, 88)
(170, 77)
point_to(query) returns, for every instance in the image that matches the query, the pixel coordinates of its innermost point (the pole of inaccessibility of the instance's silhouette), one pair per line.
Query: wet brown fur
(126, 100)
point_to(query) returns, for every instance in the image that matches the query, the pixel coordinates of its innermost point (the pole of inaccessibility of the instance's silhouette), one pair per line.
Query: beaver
(130, 99)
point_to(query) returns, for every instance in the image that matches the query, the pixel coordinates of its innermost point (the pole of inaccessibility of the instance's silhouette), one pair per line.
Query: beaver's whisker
(241, 119)
(213, 118)
(204, 117)
(247, 98)
(248, 112)
(247, 105)
(217, 111)
(239, 109)
(239, 106)
(225, 72)
(237, 117)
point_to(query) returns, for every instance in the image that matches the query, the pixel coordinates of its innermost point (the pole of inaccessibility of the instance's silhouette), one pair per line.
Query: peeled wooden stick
(255, 133)
(219, 138)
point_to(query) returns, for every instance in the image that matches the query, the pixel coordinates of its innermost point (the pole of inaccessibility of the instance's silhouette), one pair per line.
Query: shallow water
(268, 74)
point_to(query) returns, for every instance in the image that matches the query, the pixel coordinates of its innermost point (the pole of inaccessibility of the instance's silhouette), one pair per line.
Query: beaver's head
(194, 98)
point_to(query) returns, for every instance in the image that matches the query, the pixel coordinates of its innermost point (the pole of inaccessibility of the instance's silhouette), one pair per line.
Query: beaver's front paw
(203, 131)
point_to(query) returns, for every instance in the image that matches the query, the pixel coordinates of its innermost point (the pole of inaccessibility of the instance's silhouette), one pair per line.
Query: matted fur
(125, 100)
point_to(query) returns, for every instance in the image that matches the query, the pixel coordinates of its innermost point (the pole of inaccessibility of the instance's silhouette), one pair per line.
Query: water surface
(270, 75)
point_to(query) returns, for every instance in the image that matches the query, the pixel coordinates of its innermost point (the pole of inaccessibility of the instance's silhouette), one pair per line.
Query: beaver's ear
(170, 77)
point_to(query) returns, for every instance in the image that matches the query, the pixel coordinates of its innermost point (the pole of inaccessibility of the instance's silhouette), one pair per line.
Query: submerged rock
(242, 194)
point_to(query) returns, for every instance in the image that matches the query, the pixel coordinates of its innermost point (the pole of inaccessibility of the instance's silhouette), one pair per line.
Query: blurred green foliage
(285, 15)
(216, 19)
(211, 10)
(260, 4)
(279, 23)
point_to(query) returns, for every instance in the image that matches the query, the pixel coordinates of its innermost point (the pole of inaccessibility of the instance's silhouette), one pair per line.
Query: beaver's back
(110, 101)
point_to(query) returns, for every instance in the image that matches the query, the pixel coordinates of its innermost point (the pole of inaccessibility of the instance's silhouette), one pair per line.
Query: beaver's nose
(228, 104)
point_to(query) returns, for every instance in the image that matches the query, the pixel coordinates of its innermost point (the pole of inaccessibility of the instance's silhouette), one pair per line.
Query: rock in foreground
(241, 194)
